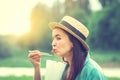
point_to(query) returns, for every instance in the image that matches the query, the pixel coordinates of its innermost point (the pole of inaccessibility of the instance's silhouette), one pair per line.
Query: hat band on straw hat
(67, 25)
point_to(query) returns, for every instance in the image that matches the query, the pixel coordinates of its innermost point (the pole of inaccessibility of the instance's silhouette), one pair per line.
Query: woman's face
(61, 44)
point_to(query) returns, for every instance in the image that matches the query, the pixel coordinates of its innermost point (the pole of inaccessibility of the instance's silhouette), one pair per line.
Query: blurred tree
(80, 15)
(84, 4)
(105, 3)
(78, 9)
(105, 28)
(70, 5)
(7, 46)
(39, 17)
(38, 37)
(56, 10)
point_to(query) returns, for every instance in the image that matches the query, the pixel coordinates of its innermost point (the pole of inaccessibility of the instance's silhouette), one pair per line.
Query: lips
(53, 50)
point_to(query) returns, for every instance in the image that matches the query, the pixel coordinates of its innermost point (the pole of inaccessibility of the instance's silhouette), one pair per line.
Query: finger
(35, 57)
(34, 51)
(41, 53)
(34, 54)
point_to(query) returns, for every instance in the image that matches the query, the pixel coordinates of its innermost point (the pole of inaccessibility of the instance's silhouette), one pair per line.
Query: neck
(68, 59)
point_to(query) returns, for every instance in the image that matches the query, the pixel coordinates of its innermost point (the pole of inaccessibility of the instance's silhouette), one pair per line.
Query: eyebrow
(57, 35)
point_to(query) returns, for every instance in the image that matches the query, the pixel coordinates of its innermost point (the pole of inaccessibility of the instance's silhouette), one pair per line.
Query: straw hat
(74, 27)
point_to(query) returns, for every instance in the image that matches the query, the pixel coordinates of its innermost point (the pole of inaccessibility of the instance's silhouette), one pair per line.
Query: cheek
(63, 44)
(66, 46)
(69, 47)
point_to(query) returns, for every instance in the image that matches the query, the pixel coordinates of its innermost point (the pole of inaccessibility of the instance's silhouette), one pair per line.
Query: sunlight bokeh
(95, 5)
(15, 15)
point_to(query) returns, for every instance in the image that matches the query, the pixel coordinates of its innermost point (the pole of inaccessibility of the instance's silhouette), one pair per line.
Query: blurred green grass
(24, 62)
(31, 78)
(18, 78)
(102, 57)
(105, 56)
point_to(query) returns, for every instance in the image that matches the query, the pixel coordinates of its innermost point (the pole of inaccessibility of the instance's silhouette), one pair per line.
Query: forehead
(58, 31)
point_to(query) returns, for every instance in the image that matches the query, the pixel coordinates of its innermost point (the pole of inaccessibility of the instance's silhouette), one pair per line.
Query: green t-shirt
(90, 71)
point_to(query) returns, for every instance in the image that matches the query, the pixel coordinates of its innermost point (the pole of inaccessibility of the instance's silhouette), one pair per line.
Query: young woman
(69, 37)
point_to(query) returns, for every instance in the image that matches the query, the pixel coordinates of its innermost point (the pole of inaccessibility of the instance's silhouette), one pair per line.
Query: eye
(58, 38)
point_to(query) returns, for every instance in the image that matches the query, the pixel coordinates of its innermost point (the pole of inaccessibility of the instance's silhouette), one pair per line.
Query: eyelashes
(58, 38)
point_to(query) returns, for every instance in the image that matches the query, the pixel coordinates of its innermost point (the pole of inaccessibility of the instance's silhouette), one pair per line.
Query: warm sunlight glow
(95, 5)
(15, 15)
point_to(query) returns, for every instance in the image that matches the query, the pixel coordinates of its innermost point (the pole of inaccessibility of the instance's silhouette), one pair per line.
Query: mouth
(53, 50)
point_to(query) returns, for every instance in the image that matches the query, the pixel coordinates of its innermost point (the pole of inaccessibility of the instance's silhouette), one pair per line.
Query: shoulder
(96, 74)
(92, 67)
(91, 71)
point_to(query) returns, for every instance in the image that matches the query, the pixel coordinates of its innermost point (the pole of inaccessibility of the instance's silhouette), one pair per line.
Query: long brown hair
(78, 58)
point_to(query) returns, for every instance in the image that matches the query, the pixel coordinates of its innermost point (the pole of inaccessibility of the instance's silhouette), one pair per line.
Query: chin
(58, 55)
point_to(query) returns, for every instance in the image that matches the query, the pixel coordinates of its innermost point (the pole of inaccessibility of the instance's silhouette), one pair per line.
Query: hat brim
(53, 25)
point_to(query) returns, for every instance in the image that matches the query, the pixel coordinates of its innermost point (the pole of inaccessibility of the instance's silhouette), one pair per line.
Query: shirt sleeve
(96, 75)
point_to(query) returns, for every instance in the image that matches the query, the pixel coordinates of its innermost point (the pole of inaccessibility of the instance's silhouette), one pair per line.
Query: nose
(53, 43)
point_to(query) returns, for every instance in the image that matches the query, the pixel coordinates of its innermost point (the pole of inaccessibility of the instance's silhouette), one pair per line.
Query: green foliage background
(103, 39)
(103, 26)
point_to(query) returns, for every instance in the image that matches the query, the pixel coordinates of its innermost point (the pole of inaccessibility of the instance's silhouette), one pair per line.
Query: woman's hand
(34, 56)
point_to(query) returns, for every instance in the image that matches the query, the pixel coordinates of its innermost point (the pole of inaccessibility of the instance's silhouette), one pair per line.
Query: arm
(37, 75)
(34, 57)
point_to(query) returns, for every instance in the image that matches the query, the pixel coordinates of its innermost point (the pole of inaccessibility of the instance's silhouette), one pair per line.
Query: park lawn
(18, 78)
(31, 78)
(105, 56)
(22, 61)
